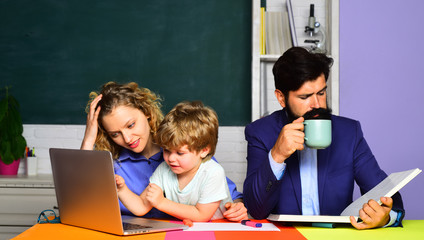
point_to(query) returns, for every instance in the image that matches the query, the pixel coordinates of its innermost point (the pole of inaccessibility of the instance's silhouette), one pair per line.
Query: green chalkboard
(53, 53)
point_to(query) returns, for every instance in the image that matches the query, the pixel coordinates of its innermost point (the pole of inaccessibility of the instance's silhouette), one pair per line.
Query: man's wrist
(277, 157)
(393, 216)
(277, 168)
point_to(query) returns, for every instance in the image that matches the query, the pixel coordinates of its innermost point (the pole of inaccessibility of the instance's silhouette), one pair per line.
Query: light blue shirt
(309, 181)
(308, 178)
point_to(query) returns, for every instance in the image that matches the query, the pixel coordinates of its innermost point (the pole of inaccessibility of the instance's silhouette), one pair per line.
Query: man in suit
(286, 177)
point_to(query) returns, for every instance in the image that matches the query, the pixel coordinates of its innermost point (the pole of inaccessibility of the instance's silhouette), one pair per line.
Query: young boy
(187, 185)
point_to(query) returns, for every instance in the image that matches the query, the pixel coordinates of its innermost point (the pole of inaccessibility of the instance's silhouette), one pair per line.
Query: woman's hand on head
(91, 127)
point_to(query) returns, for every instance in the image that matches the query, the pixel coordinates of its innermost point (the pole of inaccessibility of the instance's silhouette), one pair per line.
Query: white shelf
(21, 180)
(269, 58)
(261, 64)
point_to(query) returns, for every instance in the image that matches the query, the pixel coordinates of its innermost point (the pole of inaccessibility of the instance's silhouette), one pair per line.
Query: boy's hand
(235, 211)
(120, 182)
(154, 195)
(373, 215)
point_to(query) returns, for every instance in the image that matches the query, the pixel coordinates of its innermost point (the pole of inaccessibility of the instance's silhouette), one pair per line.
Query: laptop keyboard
(131, 226)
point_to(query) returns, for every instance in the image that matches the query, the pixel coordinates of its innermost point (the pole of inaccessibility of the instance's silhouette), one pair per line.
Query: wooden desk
(413, 229)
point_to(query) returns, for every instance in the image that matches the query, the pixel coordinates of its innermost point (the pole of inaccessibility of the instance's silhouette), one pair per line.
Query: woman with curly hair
(123, 119)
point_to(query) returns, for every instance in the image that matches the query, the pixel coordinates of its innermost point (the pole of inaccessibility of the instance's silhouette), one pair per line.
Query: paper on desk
(389, 186)
(201, 226)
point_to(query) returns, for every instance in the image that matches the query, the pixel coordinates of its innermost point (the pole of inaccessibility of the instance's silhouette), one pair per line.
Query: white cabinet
(263, 99)
(22, 198)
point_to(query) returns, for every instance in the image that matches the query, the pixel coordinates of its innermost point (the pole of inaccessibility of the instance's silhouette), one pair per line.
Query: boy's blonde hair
(191, 124)
(130, 95)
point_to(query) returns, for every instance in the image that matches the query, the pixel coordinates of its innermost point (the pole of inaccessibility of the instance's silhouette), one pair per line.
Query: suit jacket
(347, 160)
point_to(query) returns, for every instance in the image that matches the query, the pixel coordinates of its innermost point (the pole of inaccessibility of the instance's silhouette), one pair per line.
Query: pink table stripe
(181, 235)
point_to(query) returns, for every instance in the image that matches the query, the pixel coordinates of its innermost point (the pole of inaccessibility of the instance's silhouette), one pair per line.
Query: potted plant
(12, 143)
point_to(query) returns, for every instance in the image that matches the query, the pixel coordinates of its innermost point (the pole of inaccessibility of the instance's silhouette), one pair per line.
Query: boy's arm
(198, 213)
(138, 205)
(235, 211)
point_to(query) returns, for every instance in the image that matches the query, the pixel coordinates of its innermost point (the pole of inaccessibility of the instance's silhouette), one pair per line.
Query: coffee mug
(317, 133)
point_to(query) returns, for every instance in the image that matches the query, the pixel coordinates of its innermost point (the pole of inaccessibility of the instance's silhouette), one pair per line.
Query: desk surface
(413, 229)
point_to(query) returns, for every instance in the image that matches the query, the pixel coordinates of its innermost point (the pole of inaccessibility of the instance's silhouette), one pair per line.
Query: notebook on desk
(87, 196)
(387, 188)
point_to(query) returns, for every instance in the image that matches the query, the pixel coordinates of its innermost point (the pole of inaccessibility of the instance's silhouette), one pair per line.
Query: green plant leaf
(3, 108)
(15, 122)
(3, 147)
(18, 147)
(9, 127)
(6, 154)
(4, 129)
(12, 143)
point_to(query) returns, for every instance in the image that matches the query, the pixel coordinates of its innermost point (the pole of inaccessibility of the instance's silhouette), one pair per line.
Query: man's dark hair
(297, 66)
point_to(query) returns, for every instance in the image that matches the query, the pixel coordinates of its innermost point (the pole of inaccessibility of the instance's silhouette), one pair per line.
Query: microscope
(314, 31)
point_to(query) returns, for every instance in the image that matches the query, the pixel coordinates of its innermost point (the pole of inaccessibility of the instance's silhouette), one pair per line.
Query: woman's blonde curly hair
(131, 95)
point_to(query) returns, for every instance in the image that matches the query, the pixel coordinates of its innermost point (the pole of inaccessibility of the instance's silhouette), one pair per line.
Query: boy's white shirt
(208, 185)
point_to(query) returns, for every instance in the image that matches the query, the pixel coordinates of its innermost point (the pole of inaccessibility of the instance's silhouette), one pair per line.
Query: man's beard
(292, 116)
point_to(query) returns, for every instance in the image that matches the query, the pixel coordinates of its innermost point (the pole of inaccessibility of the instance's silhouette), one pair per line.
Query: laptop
(87, 197)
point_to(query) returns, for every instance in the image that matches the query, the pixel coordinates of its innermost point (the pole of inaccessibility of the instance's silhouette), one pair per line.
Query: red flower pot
(9, 169)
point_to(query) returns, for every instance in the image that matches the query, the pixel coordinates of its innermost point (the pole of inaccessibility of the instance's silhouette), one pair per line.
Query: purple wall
(382, 84)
